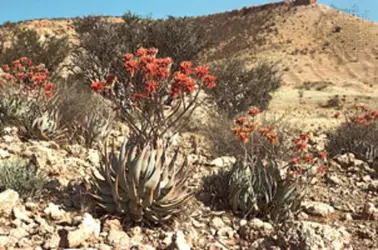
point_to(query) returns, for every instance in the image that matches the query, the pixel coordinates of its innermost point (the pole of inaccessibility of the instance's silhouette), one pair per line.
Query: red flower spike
(309, 158)
(151, 86)
(6, 68)
(254, 112)
(241, 120)
(305, 137)
(128, 57)
(152, 51)
(295, 160)
(323, 155)
(141, 52)
(201, 72)
(97, 87)
(186, 68)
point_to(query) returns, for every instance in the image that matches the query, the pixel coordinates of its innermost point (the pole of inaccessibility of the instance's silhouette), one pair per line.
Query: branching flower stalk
(153, 101)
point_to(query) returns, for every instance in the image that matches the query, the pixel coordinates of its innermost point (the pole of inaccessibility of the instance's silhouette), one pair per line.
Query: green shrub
(22, 177)
(238, 89)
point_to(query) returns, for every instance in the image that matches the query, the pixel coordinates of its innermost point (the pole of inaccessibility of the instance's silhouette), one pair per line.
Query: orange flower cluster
(156, 74)
(246, 126)
(31, 77)
(103, 87)
(305, 156)
(362, 115)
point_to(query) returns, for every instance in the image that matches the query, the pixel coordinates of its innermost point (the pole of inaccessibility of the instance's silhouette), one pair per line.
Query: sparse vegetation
(358, 134)
(240, 88)
(21, 176)
(28, 43)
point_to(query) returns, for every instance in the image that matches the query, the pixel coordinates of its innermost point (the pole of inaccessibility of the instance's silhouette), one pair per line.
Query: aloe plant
(258, 189)
(142, 182)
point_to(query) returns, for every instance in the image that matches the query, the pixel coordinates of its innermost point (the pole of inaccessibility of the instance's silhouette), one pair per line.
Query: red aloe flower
(254, 112)
(322, 169)
(49, 86)
(201, 72)
(132, 67)
(241, 120)
(128, 57)
(20, 76)
(295, 160)
(186, 68)
(305, 136)
(302, 146)
(141, 52)
(309, 158)
(209, 81)
(323, 155)
(152, 51)
(97, 87)
(6, 68)
(243, 137)
(151, 86)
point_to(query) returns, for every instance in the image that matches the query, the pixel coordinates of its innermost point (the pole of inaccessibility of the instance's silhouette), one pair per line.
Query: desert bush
(82, 114)
(103, 43)
(239, 88)
(22, 177)
(154, 102)
(144, 183)
(358, 134)
(224, 141)
(27, 43)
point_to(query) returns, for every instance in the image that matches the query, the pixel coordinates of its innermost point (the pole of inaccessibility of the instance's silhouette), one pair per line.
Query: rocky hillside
(312, 42)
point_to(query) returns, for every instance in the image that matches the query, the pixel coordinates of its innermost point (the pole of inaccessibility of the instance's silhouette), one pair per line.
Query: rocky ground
(340, 211)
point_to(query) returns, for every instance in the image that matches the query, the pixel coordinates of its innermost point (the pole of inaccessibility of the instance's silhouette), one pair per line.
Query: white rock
(318, 236)
(4, 154)
(93, 157)
(8, 200)
(318, 208)
(217, 223)
(89, 227)
(224, 161)
(54, 212)
(256, 223)
(21, 214)
(181, 243)
(118, 238)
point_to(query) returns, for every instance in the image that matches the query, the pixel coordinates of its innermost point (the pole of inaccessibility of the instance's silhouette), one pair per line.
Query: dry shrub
(86, 116)
(238, 88)
(224, 141)
(27, 43)
(358, 134)
(103, 43)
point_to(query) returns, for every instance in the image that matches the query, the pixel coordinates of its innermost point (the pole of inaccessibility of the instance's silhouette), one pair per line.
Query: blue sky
(18, 10)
